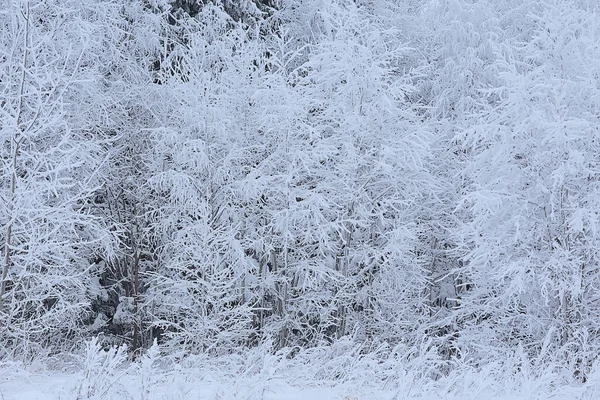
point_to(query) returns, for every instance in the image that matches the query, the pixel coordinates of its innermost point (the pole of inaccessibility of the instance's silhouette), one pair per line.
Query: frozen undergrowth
(336, 372)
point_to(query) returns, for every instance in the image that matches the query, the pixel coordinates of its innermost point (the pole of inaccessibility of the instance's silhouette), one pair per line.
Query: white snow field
(135, 381)
(337, 372)
(60, 386)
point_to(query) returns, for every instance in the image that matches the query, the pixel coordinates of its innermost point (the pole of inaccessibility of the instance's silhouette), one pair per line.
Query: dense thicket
(219, 175)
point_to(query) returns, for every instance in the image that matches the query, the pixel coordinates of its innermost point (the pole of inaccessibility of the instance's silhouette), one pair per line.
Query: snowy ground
(335, 372)
(64, 386)
(30, 385)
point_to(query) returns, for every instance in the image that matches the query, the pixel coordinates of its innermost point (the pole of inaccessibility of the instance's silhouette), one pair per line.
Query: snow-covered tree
(52, 163)
(197, 294)
(526, 138)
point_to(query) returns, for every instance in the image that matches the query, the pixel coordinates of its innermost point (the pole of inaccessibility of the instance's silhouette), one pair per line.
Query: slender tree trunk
(342, 267)
(137, 321)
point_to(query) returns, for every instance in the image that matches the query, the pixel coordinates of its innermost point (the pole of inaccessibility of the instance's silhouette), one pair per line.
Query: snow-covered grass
(22, 384)
(337, 372)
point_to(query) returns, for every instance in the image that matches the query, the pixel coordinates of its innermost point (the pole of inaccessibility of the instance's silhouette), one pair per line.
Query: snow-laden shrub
(101, 370)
